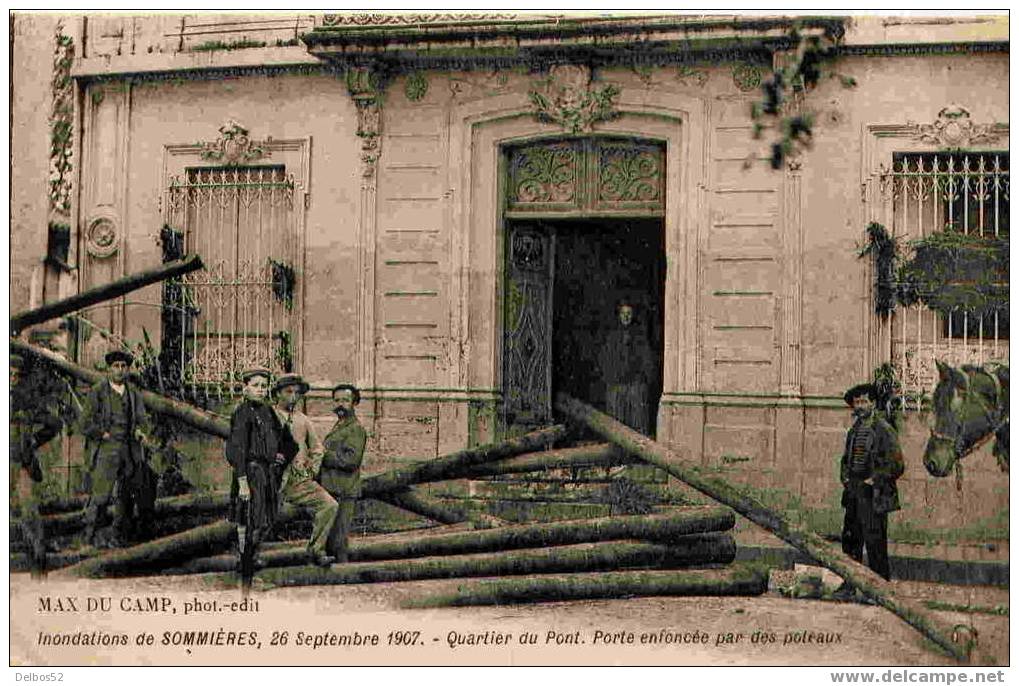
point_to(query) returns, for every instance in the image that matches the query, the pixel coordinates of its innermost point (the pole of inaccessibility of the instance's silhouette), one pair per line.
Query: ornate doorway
(584, 234)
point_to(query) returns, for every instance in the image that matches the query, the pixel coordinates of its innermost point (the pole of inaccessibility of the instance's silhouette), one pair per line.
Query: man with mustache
(341, 466)
(871, 463)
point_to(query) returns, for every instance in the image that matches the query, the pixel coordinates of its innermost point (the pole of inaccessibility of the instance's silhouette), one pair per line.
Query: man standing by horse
(871, 464)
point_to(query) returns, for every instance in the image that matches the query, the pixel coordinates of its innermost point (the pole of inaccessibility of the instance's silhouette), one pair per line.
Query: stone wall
(768, 309)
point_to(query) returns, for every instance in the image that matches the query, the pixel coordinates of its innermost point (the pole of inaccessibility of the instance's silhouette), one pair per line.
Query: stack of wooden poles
(684, 551)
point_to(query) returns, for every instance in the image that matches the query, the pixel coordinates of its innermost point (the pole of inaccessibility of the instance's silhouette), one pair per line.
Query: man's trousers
(338, 537)
(307, 493)
(865, 528)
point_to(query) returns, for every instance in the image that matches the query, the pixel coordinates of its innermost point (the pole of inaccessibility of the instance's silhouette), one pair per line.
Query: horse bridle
(993, 418)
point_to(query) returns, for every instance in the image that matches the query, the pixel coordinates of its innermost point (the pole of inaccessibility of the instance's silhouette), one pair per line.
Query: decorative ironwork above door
(590, 176)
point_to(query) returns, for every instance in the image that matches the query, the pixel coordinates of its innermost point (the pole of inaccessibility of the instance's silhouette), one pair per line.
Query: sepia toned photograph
(485, 338)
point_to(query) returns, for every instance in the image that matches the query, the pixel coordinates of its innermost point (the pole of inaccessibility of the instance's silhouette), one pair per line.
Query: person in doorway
(259, 449)
(341, 466)
(627, 369)
(871, 464)
(117, 432)
(33, 424)
(299, 485)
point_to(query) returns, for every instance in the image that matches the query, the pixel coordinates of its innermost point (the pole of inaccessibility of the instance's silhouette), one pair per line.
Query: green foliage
(882, 248)
(209, 46)
(811, 61)
(284, 282)
(888, 385)
(952, 271)
(949, 272)
(625, 496)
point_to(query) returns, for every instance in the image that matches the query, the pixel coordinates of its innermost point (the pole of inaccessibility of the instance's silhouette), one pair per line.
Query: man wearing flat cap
(259, 449)
(871, 463)
(116, 429)
(299, 485)
(33, 424)
(341, 465)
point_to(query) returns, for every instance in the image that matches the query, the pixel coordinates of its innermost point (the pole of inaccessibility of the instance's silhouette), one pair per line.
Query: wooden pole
(735, 581)
(411, 500)
(667, 529)
(160, 404)
(108, 291)
(447, 466)
(870, 584)
(598, 455)
(583, 557)
(201, 540)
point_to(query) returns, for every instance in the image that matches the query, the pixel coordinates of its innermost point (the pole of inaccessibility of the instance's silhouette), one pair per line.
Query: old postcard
(448, 338)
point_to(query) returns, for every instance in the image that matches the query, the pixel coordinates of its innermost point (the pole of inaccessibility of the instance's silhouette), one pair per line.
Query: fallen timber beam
(104, 293)
(108, 291)
(448, 466)
(433, 508)
(668, 528)
(598, 455)
(210, 503)
(701, 549)
(733, 581)
(869, 583)
(196, 542)
(160, 404)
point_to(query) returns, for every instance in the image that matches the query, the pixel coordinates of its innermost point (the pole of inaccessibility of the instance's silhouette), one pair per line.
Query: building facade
(446, 209)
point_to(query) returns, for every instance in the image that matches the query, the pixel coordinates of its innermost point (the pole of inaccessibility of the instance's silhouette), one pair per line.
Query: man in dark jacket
(33, 425)
(341, 466)
(116, 429)
(259, 450)
(871, 463)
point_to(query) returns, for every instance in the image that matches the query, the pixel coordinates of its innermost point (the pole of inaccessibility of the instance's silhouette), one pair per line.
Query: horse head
(943, 446)
(967, 409)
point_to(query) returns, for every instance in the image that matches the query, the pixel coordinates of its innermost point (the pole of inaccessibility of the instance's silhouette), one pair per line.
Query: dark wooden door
(527, 356)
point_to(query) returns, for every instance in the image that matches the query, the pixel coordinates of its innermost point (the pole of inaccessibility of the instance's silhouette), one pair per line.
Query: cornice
(898, 49)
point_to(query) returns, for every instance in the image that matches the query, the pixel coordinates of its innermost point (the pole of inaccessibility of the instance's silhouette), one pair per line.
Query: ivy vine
(948, 271)
(780, 106)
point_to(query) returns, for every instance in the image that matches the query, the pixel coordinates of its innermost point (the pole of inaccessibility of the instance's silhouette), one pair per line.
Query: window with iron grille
(237, 312)
(966, 196)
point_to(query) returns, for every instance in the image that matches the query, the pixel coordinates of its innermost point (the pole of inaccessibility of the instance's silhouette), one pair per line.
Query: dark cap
(119, 356)
(856, 391)
(255, 371)
(290, 380)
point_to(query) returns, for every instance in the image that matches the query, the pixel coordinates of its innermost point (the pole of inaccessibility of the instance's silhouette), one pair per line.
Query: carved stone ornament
(233, 146)
(367, 19)
(747, 77)
(567, 98)
(955, 129)
(416, 86)
(691, 76)
(101, 238)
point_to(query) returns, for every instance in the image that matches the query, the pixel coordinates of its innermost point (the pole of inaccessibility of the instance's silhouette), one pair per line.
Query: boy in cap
(32, 426)
(341, 466)
(116, 429)
(299, 485)
(258, 449)
(871, 463)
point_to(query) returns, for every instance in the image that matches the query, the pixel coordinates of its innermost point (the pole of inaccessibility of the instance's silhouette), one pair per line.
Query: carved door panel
(527, 353)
